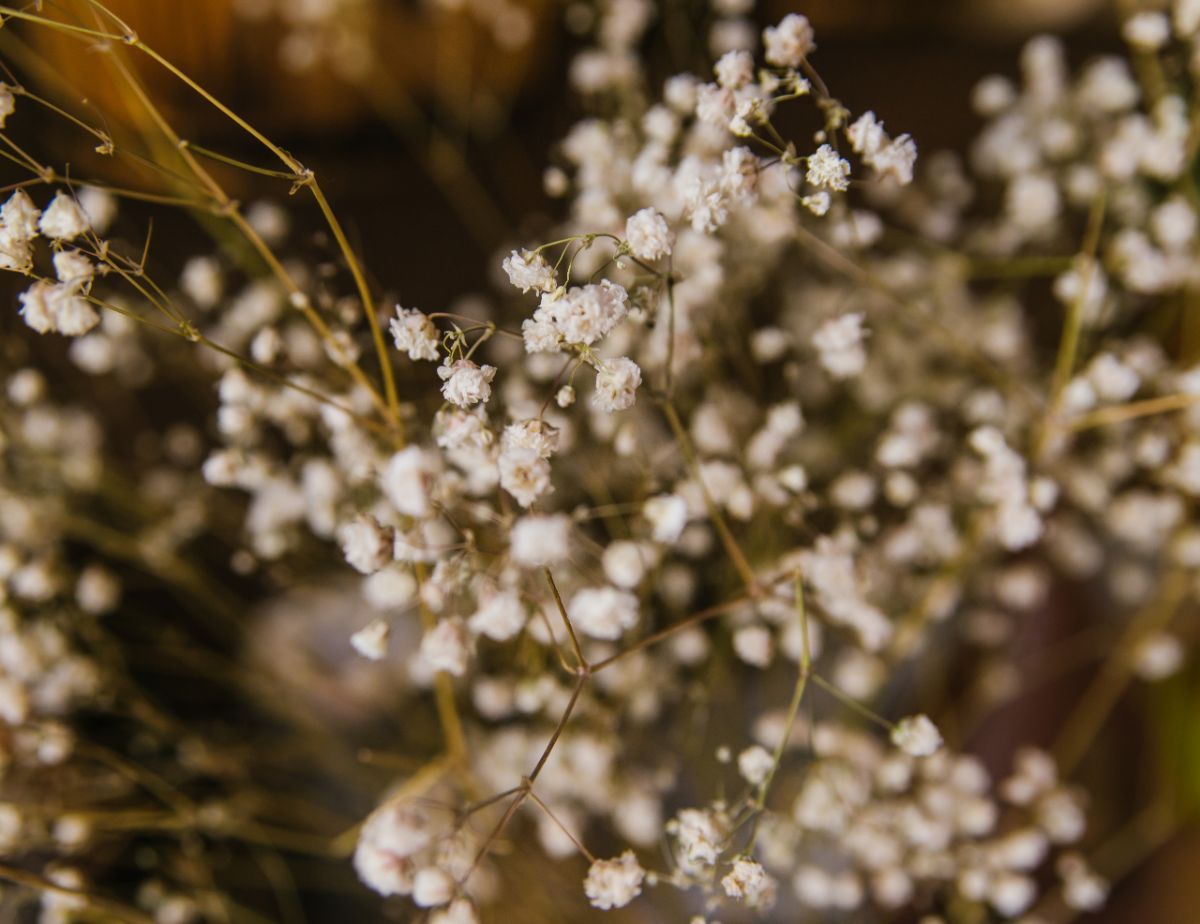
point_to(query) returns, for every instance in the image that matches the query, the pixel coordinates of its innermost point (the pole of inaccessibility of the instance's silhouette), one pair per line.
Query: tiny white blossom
(524, 473)
(818, 203)
(371, 640)
(827, 170)
(700, 834)
(464, 383)
(735, 69)
(529, 270)
(839, 345)
(408, 478)
(500, 616)
(414, 334)
(100, 206)
(668, 515)
(896, 160)
(617, 381)
(614, 883)
(1158, 656)
(648, 235)
(1148, 31)
(749, 882)
(432, 887)
(603, 612)
(75, 314)
(539, 540)
(788, 43)
(98, 590)
(447, 646)
(533, 434)
(917, 735)
(73, 268)
(753, 645)
(63, 219)
(366, 544)
(755, 764)
(202, 281)
(48, 307)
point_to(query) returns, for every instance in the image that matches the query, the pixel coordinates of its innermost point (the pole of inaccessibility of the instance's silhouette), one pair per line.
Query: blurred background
(430, 124)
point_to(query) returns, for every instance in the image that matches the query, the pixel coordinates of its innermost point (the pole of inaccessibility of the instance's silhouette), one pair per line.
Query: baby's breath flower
(539, 540)
(414, 334)
(755, 764)
(37, 307)
(818, 203)
(735, 70)
(524, 473)
(100, 206)
(500, 616)
(528, 270)
(407, 480)
(648, 235)
(917, 735)
(371, 640)
(98, 590)
(366, 544)
(465, 383)
(790, 42)
(750, 883)
(753, 644)
(15, 254)
(1158, 656)
(202, 281)
(668, 515)
(391, 836)
(73, 268)
(825, 169)
(19, 217)
(614, 883)
(533, 434)
(603, 612)
(1148, 31)
(617, 381)
(63, 219)
(432, 887)
(48, 307)
(700, 834)
(447, 646)
(839, 344)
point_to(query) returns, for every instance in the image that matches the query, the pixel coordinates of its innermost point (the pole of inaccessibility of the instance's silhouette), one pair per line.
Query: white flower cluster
(50, 306)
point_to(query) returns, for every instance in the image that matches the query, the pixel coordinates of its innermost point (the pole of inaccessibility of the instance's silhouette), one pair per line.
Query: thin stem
(562, 610)
(793, 712)
(1081, 728)
(562, 724)
(443, 685)
(865, 711)
(714, 512)
(107, 906)
(663, 634)
(562, 827)
(1119, 413)
(240, 164)
(364, 293)
(1068, 345)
